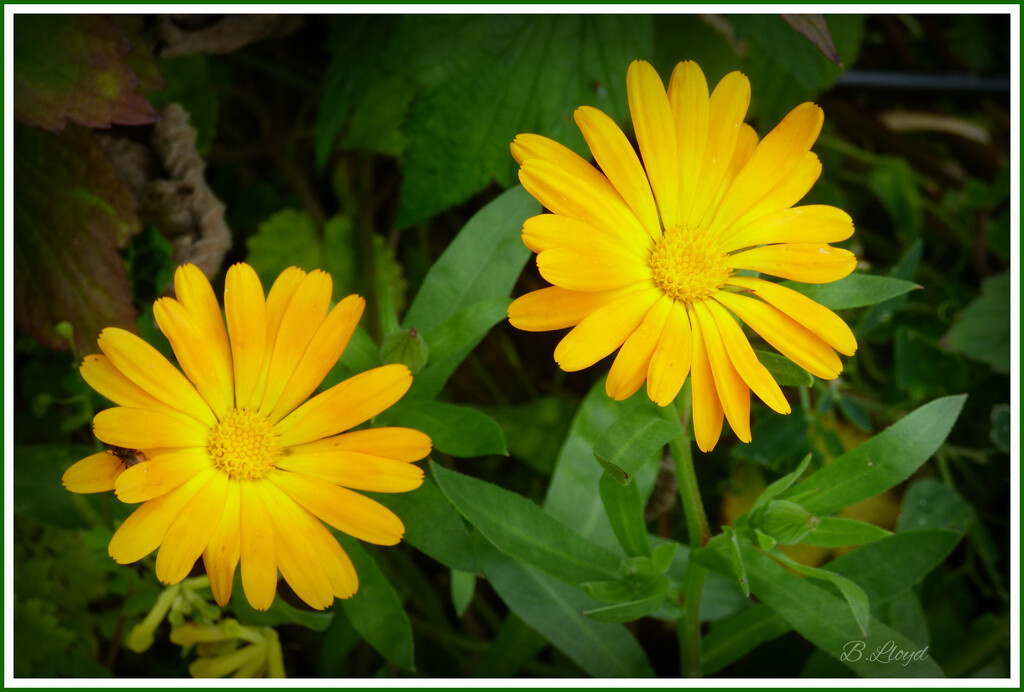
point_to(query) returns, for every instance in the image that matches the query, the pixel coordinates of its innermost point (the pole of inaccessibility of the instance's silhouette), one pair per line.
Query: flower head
(226, 459)
(658, 260)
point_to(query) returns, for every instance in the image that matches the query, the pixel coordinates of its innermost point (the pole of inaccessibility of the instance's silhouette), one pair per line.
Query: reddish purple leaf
(814, 27)
(71, 213)
(72, 67)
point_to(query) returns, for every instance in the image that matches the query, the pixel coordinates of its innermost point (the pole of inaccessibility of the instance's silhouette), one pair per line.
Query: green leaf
(855, 291)
(288, 238)
(835, 532)
(855, 597)
(376, 611)
(483, 261)
(880, 313)
(463, 587)
(783, 370)
(982, 330)
(432, 525)
(907, 556)
(662, 557)
(451, 341)
(931, 504)
(781, 485)
(1001, 421)
(38, 492)
(626, 514)
(826, 621)
(535, 430)
(922, 368)
(880, 463)
(71, 214)
(519, 528)
(572, 496)
(555, 610)
(279, 613)
(777, 440)
(489, 78)
(634, 440)
(629, 611)
(72, 67)
(737, 635)
(354, 45)
(894, 183)
(516, 646)
(457, 430)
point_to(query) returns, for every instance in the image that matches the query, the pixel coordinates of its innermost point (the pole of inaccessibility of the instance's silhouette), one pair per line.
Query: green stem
(699, 534)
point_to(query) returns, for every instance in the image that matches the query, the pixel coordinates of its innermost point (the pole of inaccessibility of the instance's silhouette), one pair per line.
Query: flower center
(243, 445)
(686, 266)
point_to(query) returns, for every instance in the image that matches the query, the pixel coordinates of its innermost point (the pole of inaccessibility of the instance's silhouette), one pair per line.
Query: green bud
(406, 346)
(65, 330)
(787, 522)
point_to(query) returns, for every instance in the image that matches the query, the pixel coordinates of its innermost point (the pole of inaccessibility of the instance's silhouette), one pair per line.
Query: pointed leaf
(880, 463)
(835, 532)
(521, 529)
(376, 610)
(634, 440)
(555, 610)
(626, 514)
(855, 291)
(457, 430)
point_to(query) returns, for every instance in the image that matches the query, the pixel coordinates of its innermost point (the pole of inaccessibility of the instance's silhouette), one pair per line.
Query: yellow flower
(648, 257)
(230, 466)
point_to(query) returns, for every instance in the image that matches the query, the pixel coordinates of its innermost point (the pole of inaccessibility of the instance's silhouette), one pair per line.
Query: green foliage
(548, 539)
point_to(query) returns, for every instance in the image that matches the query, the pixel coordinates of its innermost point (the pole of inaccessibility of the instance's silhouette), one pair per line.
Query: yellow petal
(222, 552)
(786, 192)
(629, 370)
(788, 336)
(400, 444)
(707, 407)
(196, 354)
(590, 270)
(656, 135)
(347, 511)
(568, 194)
(301, 320)
(193, 290)
(96, 473)
(604, 330)
(160, 474)
(356, 470)
(775, 157)
(245, 308)
(815, 223)
(295, 554)
(139, 428)
(146, 367)
(745, 360)
(278, 299)
(726, 110)
(546, 231)
(813, 263)
(827, 325)
(100, 374)
(557, 308)
(672, 358)
(732, 390)
(320, 356)
(256, 544)
(189, 534)
(142, 532)
(335, 562)
(688, 97)
(345, 405)
(617, 158)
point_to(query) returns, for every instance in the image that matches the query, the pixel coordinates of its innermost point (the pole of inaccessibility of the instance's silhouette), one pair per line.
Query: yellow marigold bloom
(229, 463)
(646, 258)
